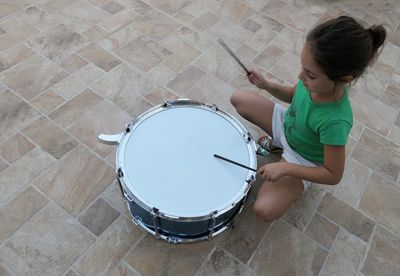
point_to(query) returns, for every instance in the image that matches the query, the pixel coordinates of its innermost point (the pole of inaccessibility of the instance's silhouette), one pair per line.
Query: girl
(313, 131)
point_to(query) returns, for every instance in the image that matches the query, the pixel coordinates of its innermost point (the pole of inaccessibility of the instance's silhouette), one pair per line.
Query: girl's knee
(266, 211)
(236, 98)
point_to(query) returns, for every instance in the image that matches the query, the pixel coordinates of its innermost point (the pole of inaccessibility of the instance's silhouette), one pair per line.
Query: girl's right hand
(257, 79)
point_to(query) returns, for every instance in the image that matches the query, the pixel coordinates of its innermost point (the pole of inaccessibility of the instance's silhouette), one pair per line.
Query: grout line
(264, 236)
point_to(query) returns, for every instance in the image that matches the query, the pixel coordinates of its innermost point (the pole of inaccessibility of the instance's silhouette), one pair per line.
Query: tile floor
(70, 70)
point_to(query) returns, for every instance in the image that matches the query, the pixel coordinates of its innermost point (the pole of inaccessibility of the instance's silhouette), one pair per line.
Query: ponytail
(378, 35)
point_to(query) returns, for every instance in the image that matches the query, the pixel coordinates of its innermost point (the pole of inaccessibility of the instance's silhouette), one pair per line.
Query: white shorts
(278, 134)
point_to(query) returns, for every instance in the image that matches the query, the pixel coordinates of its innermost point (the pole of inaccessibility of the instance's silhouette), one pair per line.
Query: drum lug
(248, 137)
(212, 224)
(250, 179)
(128, 128)
(214, 107)
(156, 223)
(167, 103)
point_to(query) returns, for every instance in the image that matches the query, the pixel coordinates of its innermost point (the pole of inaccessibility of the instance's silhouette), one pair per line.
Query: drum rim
(236, 198)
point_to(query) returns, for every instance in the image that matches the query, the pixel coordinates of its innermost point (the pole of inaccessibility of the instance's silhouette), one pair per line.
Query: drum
(174, 187)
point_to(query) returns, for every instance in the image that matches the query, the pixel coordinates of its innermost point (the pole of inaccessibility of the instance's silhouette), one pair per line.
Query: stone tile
(17, 31)
(99, 57)
(71, 273)
(124, 270)
(76, 180)
(357, 130)
(98, 216)
(137, 6)
(4, 270)
(15, 147)
(233, 34)
(48, 101)
(269, 57)
(14, 113)
(345, 256)
(159, 95)
(19, 211)
(234, 10)
(75, 108)
(251, 25)
(119, 39)
(290, 40)
(205, 21)
(377, 78)
(81, 15)
(246, 53)
(186, 79)
(115, 22)
(155, 25)
(383, 255)
(58, 241)
(32, 76)
(353, 183)
(95, 34)
(182, 56)
(220, 263)
(39, 18)
(108, 250)
(198, 40)
(390, 54)
(58, 43)
(183, 17)
(112, 7)
(14, 56)
(104, 118)
(78, 81)
(261, 39)
(384, 194)
(391, 100)
(123, 86)
(113, 195)
(394, 137)
(53, 6)
(347, 217)
(287, 68)
(322, 231)
(73, 63)
(266, 21)
(18, 176)
(143, 53)
(386, 155)
(161, 74)
(169, 6)
(394, 87)
(50, 137)
(286, 251)
(218, 62)
(3, 165)
(8, 7)
(172, 259)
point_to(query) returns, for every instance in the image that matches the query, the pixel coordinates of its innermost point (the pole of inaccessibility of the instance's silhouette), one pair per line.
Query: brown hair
(342, 47)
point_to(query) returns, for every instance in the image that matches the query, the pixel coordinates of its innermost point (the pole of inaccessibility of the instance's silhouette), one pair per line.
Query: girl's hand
(274, 171)
(257, 79)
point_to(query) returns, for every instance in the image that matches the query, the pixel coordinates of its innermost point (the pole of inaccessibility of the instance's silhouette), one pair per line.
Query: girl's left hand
(274, 171)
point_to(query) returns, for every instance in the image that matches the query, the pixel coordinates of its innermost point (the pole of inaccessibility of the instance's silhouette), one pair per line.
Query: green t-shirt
(310, 125)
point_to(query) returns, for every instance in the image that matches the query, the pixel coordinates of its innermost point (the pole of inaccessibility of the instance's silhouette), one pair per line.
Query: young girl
(313, 131)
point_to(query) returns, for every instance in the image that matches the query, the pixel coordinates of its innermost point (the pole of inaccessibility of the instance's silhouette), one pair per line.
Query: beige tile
(39, 18)
(58, 241)
(161, 74)
(17, 31)
(14, 56)
(143, 53)
(394, 136)
(246, 53)
(8, 7)
(386, 155)
(347, 217)
(286, 251)
(98, 216)
(15, 147)
(119, 39)
(50, 137)
(183, 17)
(76, 180)
(4, 270)
(78, 81)
(267, 21)
(251, 25)
(357, 130)
(123, 86)
(261, 39)
(15, 114)
(322, 230)
(233, 34)
(19, 211)
(58, 43)
(234, 10)
(53, 6)
(353, 183)
(394, 87)
(384, 194)
(182, 56)
(112, 7)
(186, 79)
(302, 211)
(109, 249)
(124, 270)
(221, 263)
(287, 68)
(390, 54)
(383, 256)
(99, 57)
(155, 25)
(159, 95)
(95, 34)
(269, 57)
(105, 118)
(3, 165)
(172, 259)
(205, 21)
(169, 6)
(199, 40)
(22, 172)
(117, 21)
(73, 63)
(75, 108)
(290, 40)
(345, 256)
(48, 101)
(71, 273)
(391, 99)
(114, 196)
(137, 6)
(32, 76)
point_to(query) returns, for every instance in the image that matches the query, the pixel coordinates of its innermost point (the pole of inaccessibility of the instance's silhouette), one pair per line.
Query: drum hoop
(251, 145)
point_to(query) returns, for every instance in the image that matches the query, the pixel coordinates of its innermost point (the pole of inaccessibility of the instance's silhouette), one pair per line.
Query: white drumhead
(168, 161)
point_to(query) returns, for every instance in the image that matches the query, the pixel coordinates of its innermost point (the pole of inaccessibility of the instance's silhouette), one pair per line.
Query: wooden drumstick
(234, 162)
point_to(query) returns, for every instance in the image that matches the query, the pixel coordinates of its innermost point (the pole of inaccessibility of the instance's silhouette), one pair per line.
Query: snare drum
(174, 186)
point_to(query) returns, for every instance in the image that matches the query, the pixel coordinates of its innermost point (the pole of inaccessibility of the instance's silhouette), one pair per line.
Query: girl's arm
(281, 92)
(330, 172)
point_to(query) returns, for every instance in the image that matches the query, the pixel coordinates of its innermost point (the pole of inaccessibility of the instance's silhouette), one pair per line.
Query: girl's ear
(347, 79)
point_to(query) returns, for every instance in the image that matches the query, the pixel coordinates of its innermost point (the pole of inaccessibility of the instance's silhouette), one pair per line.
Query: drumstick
(234, 162)
(223, 44)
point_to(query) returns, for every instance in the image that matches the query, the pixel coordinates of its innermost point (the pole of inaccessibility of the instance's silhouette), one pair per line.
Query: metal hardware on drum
(234, 162)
